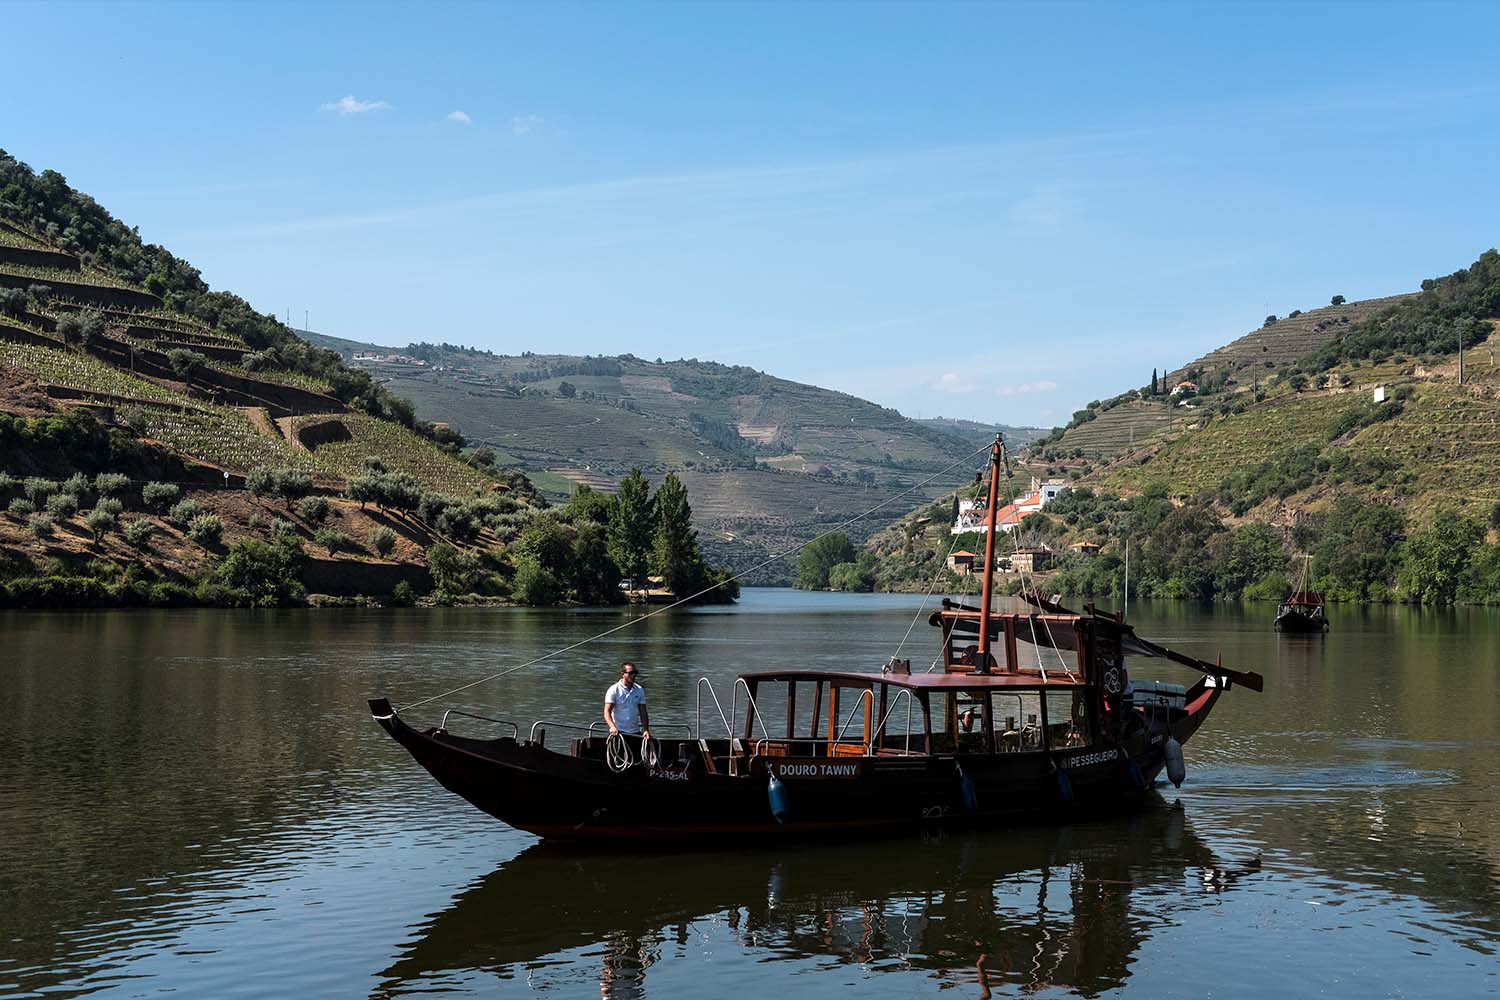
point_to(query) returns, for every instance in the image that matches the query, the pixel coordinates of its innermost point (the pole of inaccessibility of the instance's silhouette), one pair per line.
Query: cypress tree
(1153, 382)
(674, 544)
(630, 526)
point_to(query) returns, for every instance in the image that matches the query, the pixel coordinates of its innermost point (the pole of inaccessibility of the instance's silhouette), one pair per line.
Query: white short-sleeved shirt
(627, 702)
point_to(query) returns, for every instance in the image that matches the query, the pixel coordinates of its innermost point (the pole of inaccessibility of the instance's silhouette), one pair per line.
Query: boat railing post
(750, 706)
(866, 693)
(718, 707)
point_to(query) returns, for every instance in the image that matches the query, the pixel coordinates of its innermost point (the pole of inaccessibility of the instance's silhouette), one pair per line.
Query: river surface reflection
(196, 801)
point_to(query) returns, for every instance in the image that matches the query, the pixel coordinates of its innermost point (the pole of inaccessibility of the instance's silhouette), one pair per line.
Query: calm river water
(198, 802)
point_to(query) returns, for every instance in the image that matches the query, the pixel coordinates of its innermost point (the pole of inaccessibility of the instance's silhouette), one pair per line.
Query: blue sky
(989, 211)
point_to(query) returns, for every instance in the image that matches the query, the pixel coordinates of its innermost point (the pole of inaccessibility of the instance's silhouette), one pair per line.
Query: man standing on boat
(625, 708)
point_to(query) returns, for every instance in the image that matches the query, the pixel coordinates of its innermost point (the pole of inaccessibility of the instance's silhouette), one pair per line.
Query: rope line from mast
(931, 589)
(709, 589)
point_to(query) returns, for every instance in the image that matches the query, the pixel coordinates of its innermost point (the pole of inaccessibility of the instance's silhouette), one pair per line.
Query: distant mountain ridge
(769, 461)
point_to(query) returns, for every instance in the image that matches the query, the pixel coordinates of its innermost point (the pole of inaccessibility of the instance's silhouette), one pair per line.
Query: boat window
(1067, 718)
(1017, 721)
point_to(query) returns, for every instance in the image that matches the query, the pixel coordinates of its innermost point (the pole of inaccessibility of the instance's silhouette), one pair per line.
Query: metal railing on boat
(515, 730)
(734, 703)
(542, 725)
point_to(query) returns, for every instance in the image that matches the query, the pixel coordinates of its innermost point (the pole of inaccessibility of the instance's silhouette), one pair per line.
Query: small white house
(1379, 394)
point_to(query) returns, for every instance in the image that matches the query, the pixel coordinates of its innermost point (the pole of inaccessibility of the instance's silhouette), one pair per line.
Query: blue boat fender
(1176, 768)
(1064, 783)
(966, 790)
(776, 795)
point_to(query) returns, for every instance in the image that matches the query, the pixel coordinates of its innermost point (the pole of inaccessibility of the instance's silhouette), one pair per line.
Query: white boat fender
(776, 794)
(966, 790)
(1176, 768)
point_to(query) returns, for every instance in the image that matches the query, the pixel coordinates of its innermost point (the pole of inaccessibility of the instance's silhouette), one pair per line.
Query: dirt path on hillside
(261, 420)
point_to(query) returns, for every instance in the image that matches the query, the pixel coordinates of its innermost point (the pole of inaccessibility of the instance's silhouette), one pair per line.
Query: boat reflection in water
(1031, 908)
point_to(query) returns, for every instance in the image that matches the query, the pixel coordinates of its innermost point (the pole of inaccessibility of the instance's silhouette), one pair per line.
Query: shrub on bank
(206, 529)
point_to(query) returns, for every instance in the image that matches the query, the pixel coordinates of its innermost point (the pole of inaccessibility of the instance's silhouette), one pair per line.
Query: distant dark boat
(1302, 610)
(1035, 720)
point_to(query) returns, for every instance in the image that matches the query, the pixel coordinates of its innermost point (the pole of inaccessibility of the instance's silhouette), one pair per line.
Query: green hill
(150, 425)
(770, 462)
(1354, 443)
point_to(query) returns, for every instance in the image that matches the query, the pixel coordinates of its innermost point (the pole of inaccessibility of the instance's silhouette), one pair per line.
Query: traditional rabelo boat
(1302, 610)
(1035, 719)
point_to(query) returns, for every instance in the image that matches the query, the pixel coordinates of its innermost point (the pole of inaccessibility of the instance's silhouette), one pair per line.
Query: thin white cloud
(351, 105)
(521, 124)
(764, 180)
(460, 117)
(953, 382)
(1026, 388)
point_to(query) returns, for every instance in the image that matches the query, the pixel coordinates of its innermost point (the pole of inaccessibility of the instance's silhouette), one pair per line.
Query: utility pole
(1460, 355)
(304, 319)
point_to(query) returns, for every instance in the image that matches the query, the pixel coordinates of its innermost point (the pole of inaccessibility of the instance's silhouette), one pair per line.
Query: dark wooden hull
(556, 795)
(1301, 620)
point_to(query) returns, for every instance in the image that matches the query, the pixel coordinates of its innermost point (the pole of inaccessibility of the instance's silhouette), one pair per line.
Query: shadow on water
(1062, 908)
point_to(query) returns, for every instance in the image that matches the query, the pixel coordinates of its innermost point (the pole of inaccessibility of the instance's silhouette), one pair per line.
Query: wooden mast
(983, 666)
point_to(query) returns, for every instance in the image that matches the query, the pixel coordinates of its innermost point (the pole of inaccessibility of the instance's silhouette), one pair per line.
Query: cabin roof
(945, 682)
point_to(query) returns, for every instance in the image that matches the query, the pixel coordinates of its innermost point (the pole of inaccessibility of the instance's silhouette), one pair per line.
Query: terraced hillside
(1432, 443)
(1134, 421)
(1134, 424)
(128, 385)
(1286, 340)
(980, 433)
(767, 460)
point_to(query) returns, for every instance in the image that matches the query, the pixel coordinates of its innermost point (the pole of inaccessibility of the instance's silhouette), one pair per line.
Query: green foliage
(819, 557)
(1482, 580)
(535, 584)
(62, 505)
(79, 328)
(40, 525)
(454, 573)
(184, 511)
(335, 541)
(138, 532)
(857, 576)
(1437, 560)
(1356, 548)
(402, 595)
(205, 529)
(383, 541)
(99, 522)
(284, 531)
(186, 363)
(39, 489)
(257, 574)
(1246, 556)
(674, 543)
(630, 526)
(20, 507)
(157, 496)
(1337, 300)
(110, 505)
(108, 484)
(314, 510)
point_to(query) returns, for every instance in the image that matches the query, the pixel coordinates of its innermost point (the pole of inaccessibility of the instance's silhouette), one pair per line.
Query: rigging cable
(693, 597)
(942, 565)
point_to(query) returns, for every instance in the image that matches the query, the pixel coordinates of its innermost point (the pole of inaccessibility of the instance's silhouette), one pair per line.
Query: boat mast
(997, 453)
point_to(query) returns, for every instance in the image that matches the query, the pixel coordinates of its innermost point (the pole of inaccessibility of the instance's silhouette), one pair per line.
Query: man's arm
(645, 720)
(609, 716)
